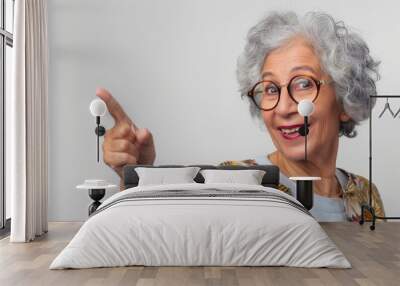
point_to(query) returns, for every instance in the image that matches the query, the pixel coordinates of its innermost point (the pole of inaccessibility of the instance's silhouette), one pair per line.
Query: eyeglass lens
(266, 93)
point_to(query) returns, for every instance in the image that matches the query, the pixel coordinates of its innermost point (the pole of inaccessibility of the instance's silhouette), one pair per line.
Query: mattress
(201, 225)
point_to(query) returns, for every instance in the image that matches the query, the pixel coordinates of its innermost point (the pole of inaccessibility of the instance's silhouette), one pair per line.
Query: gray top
(324, 208)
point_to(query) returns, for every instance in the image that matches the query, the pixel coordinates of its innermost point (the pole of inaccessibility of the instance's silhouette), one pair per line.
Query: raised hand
(125, 143)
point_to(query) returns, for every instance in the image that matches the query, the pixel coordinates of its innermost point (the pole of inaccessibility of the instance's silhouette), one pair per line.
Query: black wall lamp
(304, 187)
(98, 109)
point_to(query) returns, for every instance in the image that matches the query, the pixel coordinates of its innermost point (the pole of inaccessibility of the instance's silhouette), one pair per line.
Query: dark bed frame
(270, 179)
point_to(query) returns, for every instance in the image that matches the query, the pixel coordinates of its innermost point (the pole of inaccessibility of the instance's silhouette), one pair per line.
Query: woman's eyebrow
(303, 68)
(268, 73)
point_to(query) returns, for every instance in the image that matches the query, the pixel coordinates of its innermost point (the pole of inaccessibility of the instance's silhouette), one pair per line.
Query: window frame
(6, 39)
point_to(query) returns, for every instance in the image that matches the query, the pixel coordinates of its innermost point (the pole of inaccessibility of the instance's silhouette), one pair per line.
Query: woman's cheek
(267, 118)
(268, 125)
(321, 131)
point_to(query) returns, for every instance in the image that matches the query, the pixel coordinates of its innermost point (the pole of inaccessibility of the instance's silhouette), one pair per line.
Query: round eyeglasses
(266, 94)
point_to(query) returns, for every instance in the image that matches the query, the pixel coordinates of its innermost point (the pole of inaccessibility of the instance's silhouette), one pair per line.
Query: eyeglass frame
(318, 83)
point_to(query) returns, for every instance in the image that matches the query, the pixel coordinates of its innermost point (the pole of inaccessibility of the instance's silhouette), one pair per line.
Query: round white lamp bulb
(305, 107)
(98, 107)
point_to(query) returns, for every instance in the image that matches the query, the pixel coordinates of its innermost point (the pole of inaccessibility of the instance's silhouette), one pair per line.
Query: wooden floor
(374, 255)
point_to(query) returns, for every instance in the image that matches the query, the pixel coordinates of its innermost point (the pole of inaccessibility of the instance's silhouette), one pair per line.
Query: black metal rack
(369, 206)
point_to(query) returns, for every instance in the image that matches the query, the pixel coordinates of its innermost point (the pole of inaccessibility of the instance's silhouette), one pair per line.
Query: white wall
(172, 65)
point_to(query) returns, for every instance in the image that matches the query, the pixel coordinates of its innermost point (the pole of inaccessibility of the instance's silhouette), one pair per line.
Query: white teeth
(290, 131)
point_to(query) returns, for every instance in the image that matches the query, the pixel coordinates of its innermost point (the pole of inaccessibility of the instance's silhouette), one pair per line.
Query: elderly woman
(288, 59)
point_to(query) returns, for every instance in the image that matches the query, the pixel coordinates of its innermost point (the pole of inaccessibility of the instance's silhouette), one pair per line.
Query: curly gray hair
(343, 54)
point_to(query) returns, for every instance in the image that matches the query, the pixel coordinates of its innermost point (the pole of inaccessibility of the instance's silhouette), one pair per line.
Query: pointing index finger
(113, 106)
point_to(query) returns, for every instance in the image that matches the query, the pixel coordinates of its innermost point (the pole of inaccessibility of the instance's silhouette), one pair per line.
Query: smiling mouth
(291, 132)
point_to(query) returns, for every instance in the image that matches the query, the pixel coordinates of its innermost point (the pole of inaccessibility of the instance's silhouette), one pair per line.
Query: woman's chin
(294, 154)
(294, 150)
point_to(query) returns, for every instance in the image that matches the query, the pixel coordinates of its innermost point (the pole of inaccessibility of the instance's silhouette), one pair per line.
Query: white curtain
(27, 122)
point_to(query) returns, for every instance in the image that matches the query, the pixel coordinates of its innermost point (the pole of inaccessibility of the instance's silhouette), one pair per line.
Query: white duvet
(183, 231)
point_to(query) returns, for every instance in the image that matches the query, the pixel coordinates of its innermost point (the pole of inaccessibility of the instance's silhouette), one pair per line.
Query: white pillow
(161, 176)
(249, 177)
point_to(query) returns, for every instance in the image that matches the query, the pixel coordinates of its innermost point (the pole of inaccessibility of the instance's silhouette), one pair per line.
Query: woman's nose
(286, 105)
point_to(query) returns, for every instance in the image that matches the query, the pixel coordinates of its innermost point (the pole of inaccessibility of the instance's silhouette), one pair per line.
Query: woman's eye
(271, 89)
(302, 84)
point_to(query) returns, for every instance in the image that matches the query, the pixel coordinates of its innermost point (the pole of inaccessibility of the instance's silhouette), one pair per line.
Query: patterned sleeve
(248, 162)
(362, 188)
(377, 202)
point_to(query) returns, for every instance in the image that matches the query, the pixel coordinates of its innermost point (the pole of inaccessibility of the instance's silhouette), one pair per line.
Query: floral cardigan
(355, 194)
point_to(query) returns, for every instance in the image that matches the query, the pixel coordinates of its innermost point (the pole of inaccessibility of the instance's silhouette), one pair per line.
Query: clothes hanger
(387, 107)
(397, 112)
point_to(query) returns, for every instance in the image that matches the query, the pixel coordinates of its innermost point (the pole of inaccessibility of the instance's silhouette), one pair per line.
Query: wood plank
(374, 255)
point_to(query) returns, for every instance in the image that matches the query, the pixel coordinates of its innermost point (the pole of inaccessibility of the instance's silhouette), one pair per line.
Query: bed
(201, 224)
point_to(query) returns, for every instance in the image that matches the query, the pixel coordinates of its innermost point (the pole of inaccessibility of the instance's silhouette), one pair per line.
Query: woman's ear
(344, 117)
